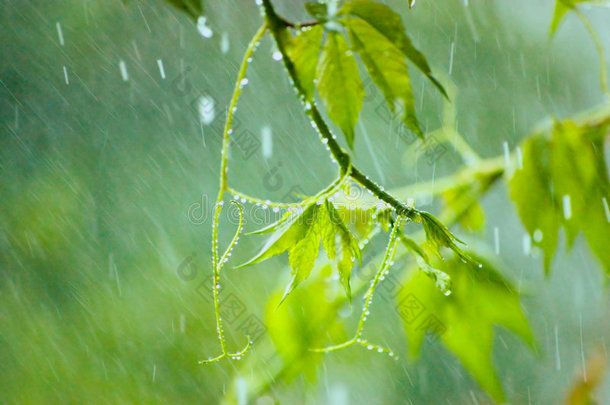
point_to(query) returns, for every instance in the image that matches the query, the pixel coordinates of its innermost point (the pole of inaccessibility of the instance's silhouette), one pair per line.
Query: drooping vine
(317, 56)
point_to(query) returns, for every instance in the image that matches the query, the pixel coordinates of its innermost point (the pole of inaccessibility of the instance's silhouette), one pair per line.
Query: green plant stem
(278, 29)
(216, 262)
(327, 192)
(340, 301)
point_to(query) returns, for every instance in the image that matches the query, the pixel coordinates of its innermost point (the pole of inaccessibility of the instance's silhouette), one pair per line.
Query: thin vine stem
(334, 187)
(277, 376)
(216, 262)
(277, 27)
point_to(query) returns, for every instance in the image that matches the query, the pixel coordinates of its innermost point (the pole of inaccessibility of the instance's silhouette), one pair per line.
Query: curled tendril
(227, 252)
(215, 287)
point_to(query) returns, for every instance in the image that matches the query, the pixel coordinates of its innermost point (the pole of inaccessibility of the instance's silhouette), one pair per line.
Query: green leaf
(349, 248)
(194, 8)
(301, 233)
(358, 220)
(439, 236)
(387, 67)
(530, 188)
(319, 11)
(303, 51)
(337, 221)
(303, 254)
(287, 232)
(564, 182)
(464, 320)
(339, 85)
(389, 24)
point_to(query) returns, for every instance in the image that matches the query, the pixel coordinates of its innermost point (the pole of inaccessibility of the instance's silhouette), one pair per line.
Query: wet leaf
(389, 24)
(463, 320)
(387, 67)
(286, 233)
(438, 235)
(339, 85)
(564, 184)
(303, 51)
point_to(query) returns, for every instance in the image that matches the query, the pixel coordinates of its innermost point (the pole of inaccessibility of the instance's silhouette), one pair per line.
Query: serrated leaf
(194, 8)
(389, 24)
(438, 235)
(286, 234)
(564, 183)
(329, 237)
(359, 220)
(345, 265)
(341, 227)
(303, 51)
(464, 320)
(303, 254)
(339, 85)
(387, 67)
(349, 248)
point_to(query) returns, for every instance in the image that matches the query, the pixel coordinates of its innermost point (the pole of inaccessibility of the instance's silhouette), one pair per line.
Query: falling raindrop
(66, 78)
(60, 34)
(567, 207)
(267, 142)
(203, 29)
(224, 43)
(206, 110)
(123, 69)
(161, 68)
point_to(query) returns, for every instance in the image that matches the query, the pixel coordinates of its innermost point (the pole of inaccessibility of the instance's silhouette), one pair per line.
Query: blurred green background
(107, 170)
